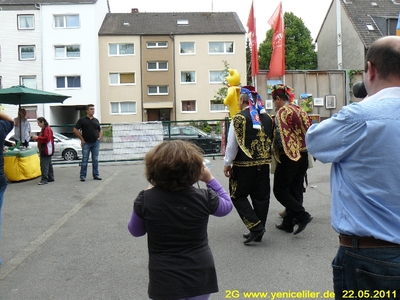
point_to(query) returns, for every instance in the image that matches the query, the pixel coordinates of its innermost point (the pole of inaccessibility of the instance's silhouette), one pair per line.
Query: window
(26, 52)
(220, 47)
(157, 90)
(72, 51)
(121, 49)
(156, 44)
(157, 65)
(187, 48)
(182, 22)
(26, 22)
(31, 112)
(217, 106)
(122, 78)
(68, 82)
(188, 76)
(370, 26)
(28, 81)
(216, 76)
(188, 106)
(66, 21)
(123, 107)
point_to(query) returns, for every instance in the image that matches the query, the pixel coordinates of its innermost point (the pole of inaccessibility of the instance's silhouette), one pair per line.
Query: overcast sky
(312, 12)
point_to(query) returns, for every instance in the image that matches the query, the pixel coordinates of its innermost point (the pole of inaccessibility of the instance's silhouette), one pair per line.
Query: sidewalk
(69, 240)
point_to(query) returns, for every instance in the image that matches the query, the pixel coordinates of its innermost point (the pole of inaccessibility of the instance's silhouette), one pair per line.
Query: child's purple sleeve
(225, 203)
(136, 225)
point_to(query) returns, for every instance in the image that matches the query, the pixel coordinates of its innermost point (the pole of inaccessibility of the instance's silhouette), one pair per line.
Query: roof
(363, 12)
(166, 23)
(381, 14)
(54, 2)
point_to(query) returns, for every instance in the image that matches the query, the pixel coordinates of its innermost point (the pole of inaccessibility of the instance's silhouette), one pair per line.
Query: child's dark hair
(173, 165)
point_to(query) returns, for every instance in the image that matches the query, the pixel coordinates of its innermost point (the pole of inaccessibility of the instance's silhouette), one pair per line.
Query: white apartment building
(53, 45)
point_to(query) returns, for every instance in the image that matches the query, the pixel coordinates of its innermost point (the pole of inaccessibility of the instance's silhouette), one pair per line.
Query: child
(174, 214)
(45, 142)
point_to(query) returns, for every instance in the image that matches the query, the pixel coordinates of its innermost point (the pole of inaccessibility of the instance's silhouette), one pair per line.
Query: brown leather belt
(364, 242)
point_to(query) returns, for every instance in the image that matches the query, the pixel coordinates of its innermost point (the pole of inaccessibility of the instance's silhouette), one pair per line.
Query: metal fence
(131, 141)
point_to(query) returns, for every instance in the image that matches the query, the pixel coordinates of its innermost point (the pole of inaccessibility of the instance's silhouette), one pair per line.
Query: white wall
(11, 68)
(87, 66)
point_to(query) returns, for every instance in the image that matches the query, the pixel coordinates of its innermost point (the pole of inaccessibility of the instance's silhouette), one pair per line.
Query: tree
(222, 92)
(299, 47)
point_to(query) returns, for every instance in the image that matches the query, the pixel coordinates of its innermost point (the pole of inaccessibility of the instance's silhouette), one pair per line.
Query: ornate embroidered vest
(293, 124)
(254, 144)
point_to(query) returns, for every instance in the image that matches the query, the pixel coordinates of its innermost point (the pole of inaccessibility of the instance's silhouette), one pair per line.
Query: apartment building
(21, 52)
(53, 45)
(167, 66)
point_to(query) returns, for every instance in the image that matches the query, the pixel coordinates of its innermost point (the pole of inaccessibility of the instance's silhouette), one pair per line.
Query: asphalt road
(69, 240)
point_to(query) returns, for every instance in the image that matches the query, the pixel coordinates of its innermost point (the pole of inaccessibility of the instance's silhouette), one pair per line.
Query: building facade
(167, 66)
(350, 27)
(52, 45)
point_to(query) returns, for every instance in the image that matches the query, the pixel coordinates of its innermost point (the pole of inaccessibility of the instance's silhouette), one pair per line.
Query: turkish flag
(277, 64)
(251, 24)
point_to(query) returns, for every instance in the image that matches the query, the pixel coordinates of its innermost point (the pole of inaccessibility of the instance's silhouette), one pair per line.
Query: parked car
(205, 141)
(64, 147)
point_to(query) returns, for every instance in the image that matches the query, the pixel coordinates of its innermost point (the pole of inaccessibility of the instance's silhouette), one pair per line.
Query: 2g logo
(232, 294)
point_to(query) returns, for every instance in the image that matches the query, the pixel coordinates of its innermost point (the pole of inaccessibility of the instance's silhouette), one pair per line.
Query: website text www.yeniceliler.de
(304, 294)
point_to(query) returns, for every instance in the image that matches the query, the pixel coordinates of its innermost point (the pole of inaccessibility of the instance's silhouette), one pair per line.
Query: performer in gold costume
(290, 151)
(246, 163)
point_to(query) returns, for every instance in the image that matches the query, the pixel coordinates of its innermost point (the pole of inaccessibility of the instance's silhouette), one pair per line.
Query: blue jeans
(359, 271)
(2, 190)
(87, 149)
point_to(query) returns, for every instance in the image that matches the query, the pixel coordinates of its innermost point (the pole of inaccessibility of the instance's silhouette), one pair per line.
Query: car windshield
(60, 136)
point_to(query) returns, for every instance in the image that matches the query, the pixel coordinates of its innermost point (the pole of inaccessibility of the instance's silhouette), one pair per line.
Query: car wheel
(69, 154)
(217, 149)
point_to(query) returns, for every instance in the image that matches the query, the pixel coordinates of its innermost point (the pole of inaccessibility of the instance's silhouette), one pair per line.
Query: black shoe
(50, 180)
(97, 178)
(302, 224)
(284, 228)
(82, 179)
(258, 239)
(42, 182)
(253, 235)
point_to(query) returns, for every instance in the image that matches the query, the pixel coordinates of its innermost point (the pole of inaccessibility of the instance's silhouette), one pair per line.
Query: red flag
(277, 64)
(251, 24)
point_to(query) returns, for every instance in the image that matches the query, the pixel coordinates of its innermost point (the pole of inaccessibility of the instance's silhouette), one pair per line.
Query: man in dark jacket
(246, 163)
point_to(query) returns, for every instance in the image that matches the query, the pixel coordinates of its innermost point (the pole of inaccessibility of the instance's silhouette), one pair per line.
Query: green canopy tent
(19, 95)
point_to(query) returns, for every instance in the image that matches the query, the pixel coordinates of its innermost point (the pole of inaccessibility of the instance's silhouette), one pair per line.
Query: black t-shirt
(90, 129)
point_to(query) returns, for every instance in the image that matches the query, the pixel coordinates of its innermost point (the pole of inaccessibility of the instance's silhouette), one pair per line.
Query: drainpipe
(141, 76)
(171, 35)
(339, 35)
(38, 6)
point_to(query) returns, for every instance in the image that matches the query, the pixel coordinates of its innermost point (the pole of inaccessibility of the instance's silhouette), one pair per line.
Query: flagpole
(255, 24)
(283, 21)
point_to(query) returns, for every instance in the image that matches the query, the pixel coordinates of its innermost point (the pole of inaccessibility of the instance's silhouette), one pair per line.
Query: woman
(45, 143)
(174, 214)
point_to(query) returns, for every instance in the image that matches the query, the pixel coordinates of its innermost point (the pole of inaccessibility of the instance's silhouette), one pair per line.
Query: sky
(312, 12)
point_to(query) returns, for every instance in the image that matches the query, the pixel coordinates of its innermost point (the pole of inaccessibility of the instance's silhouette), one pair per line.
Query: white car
(64, 147)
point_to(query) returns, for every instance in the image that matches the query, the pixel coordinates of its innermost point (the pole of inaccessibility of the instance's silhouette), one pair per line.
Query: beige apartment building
(167, 66)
